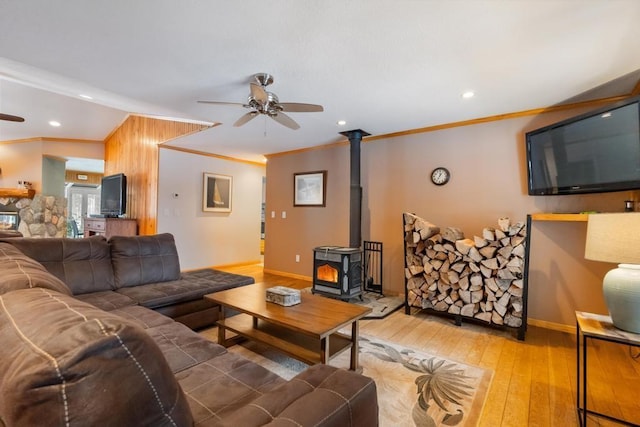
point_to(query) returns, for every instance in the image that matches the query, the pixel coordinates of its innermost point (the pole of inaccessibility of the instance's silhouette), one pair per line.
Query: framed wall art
(216, 194)
(309, 188)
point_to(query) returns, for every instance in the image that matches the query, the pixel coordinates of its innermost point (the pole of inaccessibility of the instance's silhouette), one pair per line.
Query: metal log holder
(520, 331)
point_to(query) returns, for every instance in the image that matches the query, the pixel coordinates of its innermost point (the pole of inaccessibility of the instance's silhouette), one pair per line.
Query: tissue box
(283, 295)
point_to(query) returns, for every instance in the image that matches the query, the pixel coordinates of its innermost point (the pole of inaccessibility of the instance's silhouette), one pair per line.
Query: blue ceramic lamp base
(621, 287)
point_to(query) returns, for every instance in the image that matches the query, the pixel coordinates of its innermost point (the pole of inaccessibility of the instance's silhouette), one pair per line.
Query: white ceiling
(383, 66)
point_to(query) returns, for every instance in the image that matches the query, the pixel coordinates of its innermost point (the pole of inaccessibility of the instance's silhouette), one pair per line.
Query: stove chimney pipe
(355, 195)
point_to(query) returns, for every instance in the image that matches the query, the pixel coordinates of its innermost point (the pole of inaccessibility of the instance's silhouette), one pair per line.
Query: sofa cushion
(181, 347)
(83, 264)
(10, 233)
(74, 364)
(21, 272)
(138, 260)
(107, 300)
(143, 317)
(321, 395)
(191, 286)
(220, 386)
(216, 279)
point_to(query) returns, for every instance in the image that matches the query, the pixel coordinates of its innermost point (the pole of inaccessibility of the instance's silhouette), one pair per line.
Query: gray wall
(53, 176)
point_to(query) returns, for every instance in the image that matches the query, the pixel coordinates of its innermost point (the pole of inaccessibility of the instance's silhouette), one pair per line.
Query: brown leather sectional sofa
(88, 337)
(144, 270)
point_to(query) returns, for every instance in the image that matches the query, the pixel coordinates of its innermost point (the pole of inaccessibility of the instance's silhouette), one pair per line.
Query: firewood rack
(372, 267)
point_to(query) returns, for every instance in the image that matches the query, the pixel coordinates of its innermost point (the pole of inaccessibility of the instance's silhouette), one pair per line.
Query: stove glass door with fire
(337, 272)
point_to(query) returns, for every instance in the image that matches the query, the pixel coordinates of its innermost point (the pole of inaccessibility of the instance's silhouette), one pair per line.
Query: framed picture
(309, 188)
(216, 194)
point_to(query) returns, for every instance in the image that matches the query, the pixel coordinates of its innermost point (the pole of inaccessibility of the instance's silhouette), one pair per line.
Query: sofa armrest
(64, 362)
(321, 395)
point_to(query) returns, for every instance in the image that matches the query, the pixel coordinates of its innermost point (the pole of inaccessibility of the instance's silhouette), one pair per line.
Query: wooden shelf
(21, 193)
(575, 217)
(296, 345)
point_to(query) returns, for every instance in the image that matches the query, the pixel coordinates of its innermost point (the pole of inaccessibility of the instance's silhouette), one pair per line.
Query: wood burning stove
(337, 272)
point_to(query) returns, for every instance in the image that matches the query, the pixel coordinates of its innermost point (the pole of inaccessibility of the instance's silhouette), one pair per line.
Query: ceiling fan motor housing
(270, 106)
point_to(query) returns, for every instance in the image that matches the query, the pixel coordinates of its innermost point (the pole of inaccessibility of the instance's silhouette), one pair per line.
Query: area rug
(414, 388)
(380, 305)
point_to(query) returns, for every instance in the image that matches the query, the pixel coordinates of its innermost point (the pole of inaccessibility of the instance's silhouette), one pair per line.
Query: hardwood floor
(534, 381)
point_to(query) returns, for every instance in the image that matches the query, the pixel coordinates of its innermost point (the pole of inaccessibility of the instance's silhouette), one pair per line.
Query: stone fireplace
(337, 272)
(42, 216)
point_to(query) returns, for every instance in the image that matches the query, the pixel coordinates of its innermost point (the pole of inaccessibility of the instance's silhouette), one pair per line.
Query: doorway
(82, 201)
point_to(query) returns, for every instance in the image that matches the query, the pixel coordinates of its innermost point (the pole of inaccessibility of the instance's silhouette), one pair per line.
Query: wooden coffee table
(307, 331)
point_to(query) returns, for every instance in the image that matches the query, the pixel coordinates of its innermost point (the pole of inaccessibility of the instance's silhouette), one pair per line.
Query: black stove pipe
(355, 195)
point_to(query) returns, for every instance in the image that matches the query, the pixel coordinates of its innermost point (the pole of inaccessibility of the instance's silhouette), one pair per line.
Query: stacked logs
(480, 278)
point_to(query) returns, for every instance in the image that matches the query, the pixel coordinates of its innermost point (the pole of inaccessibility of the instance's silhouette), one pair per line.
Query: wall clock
(440, 176)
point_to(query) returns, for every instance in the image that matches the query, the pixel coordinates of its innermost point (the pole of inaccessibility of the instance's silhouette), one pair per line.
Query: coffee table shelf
(297, 345)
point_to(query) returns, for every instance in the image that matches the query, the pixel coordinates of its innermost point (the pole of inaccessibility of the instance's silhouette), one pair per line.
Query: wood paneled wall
(132, 149)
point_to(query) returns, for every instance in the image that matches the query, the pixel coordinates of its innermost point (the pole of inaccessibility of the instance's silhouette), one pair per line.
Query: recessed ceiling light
(468, 94)
(85, 96)
(54, 123)
(342, 122)
(605, 115)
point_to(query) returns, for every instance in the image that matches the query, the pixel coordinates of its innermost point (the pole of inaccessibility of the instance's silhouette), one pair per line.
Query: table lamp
(615, 237)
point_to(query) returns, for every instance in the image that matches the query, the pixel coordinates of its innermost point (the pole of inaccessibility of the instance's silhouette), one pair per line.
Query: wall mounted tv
(595, 152)
(113, 195)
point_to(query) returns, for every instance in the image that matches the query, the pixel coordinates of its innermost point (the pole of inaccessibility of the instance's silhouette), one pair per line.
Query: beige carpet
(453, 394)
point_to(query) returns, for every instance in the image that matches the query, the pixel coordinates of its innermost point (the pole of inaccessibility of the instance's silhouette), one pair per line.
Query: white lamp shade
(614, 237)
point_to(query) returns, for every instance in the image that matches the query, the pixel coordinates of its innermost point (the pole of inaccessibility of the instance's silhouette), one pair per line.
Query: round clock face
(440, 176)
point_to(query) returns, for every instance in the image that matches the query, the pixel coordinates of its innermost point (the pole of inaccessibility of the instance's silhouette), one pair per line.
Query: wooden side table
(596, 327)
(108, 227)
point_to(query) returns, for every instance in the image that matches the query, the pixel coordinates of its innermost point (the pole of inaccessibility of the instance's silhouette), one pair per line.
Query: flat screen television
(595, 152)
(113, 195)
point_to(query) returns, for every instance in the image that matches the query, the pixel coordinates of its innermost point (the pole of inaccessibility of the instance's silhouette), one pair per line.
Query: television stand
(108, 227)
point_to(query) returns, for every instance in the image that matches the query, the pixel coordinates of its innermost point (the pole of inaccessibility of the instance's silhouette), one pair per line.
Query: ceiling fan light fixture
(260, 101)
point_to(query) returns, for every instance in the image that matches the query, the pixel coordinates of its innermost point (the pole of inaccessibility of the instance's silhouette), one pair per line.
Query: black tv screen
(595, 152)
(113, 195)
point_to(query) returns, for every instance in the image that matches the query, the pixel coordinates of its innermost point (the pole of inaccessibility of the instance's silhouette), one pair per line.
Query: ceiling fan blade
(11, 118)
(296, 107)
(285, 120)
(258, 93)
(245, 118)
(221, 103)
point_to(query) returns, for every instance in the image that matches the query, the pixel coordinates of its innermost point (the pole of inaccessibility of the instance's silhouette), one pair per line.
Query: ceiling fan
(262, 102)
(11, 118)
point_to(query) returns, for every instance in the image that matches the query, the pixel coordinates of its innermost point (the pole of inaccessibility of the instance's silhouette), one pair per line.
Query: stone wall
(42, 216)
